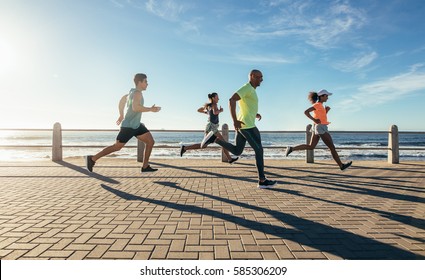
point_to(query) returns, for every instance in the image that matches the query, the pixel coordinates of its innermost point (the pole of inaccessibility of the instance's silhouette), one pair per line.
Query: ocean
(168, 143)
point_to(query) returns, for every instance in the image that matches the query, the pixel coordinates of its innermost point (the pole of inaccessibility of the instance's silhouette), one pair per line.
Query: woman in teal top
(211, 129)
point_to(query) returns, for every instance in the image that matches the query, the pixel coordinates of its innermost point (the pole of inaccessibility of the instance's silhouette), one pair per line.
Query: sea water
(167, 145)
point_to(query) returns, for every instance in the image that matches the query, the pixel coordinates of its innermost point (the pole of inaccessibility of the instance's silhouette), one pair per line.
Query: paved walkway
(211, 210)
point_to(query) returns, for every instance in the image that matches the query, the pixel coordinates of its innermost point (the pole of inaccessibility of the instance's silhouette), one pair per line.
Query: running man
(244, 124)
(130, 125)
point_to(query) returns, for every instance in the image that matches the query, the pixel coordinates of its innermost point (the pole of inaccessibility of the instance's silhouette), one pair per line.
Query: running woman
(320, 127)
(211, 130)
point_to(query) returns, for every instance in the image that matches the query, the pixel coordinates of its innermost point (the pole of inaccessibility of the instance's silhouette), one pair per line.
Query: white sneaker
(288, 151)
(206, 138)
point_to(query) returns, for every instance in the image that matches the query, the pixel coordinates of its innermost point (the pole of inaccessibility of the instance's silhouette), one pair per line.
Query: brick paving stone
(221, 252)
(235, 246)
(4, 253)
(253, 248)
(183, 256)
(160, 252)
(78, 255)
(138, 248)
(37, 251)
(283, 252)
(21, 246)
(270, 256)
(98, 251)
(192, 239)
(142, 255)
(79, 247)
(119, 245)
(62, 244)
(213, 242)
(246, 255)
(195, 209)
(138, 239)
(83, 238)
(157, 242)
(56, 254)
(199, 248)
(118, 255)
(15, 254)
(177, 245)
(206, 256)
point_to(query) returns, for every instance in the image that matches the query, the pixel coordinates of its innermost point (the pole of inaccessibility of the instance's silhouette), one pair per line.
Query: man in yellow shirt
(244, 124)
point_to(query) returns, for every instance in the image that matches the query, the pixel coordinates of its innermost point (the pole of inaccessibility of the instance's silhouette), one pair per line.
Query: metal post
(225, 134)
(309, 154)
(140, 150)
(393, 145)
(57, 142)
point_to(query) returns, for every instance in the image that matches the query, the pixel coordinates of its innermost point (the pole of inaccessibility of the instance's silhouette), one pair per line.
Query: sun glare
(8, 57)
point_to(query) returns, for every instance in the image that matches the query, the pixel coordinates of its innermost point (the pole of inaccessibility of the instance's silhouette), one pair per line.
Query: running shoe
(266, 184)
(288, 151)
(233, 160)
(89, 163)
(148, 169)
(182, 151)
(346, 165)
(206, 138)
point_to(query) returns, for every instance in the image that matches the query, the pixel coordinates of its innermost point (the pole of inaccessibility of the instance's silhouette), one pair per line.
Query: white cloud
(258, 59)
(356, 63)
(167, 9)
(387, 90)
(117, 3)
(320, 25)
(176, 12)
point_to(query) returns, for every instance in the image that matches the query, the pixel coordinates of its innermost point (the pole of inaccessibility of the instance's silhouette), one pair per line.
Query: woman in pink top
(318, 114)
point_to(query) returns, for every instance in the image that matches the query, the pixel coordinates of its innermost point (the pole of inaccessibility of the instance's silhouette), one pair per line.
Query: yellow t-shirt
(320, 113)
(248, 105)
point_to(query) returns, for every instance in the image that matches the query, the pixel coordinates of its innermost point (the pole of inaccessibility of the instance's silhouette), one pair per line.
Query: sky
(70, 61)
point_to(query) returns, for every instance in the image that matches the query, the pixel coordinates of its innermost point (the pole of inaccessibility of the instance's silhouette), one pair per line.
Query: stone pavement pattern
(199, 209)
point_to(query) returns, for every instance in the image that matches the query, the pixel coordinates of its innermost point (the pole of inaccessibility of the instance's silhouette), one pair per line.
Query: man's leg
(253, 137)
(108, 150)
(91, 160)
(149, 142)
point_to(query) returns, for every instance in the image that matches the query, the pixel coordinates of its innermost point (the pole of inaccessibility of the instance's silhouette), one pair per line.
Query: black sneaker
(288, 151)
(346, 165)
(233, 160)
(89, 163)
(267, 184)
(148, 169)
(182, 151)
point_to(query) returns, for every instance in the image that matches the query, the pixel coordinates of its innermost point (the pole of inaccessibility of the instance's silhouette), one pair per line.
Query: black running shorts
(126, 133)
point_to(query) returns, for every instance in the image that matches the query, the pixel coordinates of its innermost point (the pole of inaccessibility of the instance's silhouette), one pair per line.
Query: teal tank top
(132, 118)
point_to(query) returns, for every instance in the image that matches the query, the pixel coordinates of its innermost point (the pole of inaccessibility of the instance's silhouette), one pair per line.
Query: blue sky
(70, 61)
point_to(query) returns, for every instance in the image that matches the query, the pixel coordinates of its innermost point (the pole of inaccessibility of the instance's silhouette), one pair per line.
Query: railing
(393, 147)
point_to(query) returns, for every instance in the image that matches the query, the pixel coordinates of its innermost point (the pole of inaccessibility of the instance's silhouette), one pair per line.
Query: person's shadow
(339, 242)
(86, 172)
